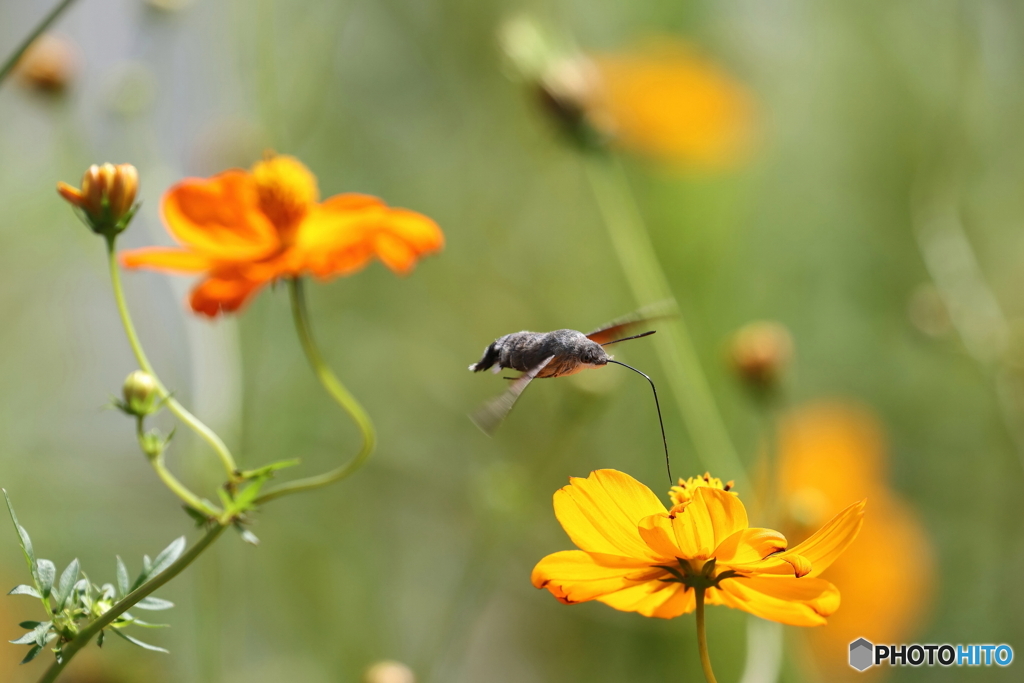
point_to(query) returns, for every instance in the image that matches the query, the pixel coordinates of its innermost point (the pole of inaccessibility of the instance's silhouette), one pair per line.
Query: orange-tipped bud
(760, 352)
(107, 196)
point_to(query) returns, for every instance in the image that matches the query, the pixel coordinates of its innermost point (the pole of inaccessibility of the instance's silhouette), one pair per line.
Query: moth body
(569, 351)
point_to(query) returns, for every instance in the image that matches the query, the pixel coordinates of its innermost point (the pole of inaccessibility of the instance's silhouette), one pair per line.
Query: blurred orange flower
(243, 229)
(828, 454)
(49, 64)
(672, 104)
(637, 556)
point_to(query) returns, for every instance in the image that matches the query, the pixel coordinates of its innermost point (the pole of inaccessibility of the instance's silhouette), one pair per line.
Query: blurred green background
(879, 121)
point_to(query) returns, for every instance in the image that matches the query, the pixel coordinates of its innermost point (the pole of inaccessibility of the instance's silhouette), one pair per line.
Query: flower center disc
(286, 190)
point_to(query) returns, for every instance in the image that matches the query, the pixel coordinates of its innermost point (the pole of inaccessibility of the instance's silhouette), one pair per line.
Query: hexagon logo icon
(861, 654)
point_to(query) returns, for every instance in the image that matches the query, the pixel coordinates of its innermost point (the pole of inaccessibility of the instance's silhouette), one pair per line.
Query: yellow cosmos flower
(636, 555)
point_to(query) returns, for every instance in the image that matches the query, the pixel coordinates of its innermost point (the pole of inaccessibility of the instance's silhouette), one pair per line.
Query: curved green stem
(179, 411)
(89, 632)
(675, 348)
(170, 481)
(338, 392)
(702, 639)
(9, 65)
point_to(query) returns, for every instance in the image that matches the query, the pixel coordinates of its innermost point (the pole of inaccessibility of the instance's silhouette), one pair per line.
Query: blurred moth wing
(490, 415)
(622, 328)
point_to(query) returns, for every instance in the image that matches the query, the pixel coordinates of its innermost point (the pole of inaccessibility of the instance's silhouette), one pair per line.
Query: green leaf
(136, 641)
(23, 539)
(25, 590)
(43, 635)
(146, 624)
(45, 573)
(268, 470)
(245, 497)
(248, 536)
(37, 635)
(36, 649)
(154, 604)
(29, 624)
(123, 587)
(101, 638)
(167, 556)
(147, 566)
(67, 583)
(199, 518)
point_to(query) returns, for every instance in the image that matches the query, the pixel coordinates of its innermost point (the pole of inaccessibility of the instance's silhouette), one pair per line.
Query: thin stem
(675, 348)
(89, 632)
(9, 65)
(338, 392)
(179, 411)
(702, 638)
(170, 481)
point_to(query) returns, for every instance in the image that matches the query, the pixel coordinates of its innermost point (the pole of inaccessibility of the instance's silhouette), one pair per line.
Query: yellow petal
(785, 599)
(657, 532)
(601, 513)
(828, 542)
(711, 517)
(750, 545)
(575, 576)
(652, 599)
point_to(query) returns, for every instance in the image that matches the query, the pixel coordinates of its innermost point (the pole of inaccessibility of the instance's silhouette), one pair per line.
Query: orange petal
(220, 217)
(575, 576)
(351, 201)
(785, 599)
(342, 234)
(167, 259)
(673, 104)
(711, 516)
(601, 513)
(217, 295)
(404, 236)
(750, 545)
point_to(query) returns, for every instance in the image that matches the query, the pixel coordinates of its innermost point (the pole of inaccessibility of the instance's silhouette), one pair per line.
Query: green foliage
(72, 603)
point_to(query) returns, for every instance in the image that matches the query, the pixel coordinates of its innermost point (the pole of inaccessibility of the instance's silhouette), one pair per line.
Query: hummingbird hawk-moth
(539, 355)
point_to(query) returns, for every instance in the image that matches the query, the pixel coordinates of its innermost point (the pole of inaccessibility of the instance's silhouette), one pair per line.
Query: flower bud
(760, 352)
(141, 394)
(389, 672)
(49, 64)
(107, 197)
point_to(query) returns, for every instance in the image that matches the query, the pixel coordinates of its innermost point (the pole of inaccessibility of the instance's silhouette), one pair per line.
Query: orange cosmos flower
(670, 103)
(243, 229)
(637, 556)
(830, 453)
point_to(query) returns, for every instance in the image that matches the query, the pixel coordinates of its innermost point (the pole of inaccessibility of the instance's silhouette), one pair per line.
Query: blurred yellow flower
(670, 103)
(637, 556)
(828, 454)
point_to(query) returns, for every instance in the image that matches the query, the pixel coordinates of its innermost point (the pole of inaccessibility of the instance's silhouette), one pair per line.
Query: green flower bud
(141, 394)
(389, 672)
